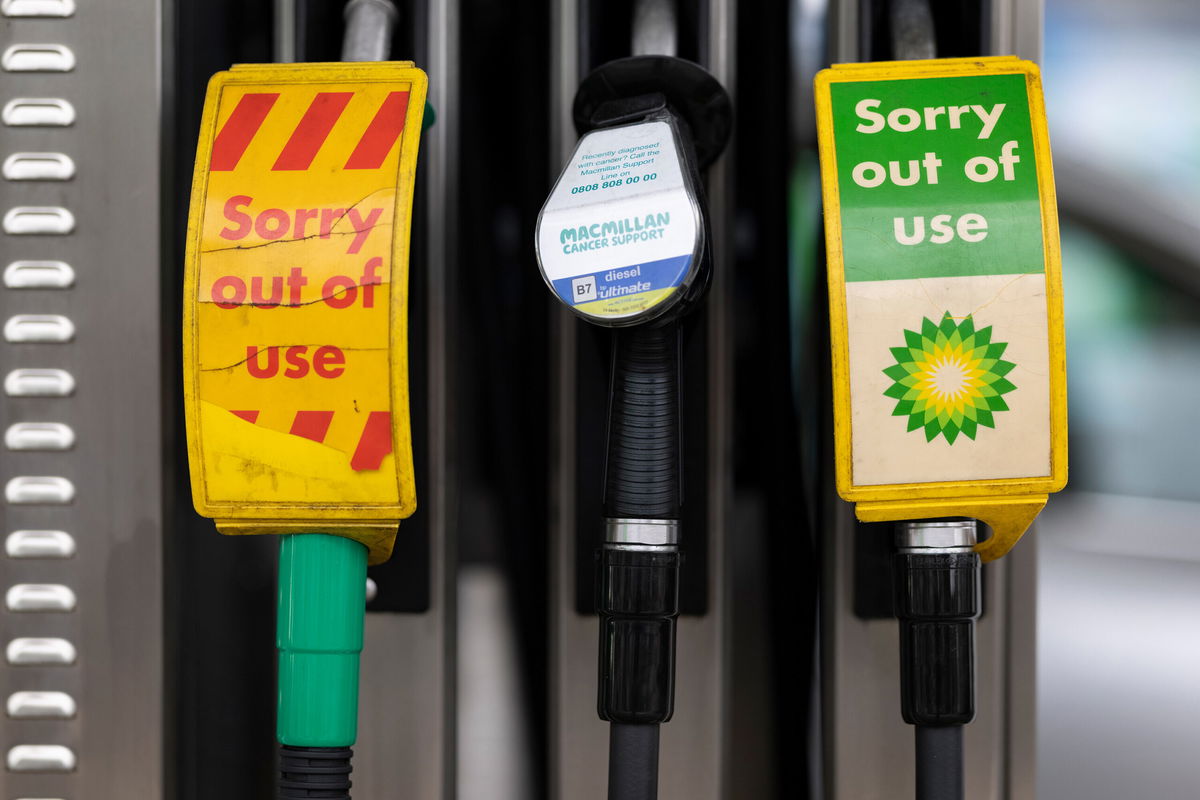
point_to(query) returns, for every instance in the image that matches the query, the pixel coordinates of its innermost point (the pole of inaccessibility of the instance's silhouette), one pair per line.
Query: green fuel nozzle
(322, 600)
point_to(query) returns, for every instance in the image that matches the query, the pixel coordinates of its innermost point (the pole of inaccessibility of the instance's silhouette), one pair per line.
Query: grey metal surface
(655, 28)
(1016, 28)
(924, 534)
(912, 29)
(642, 531)
(105, 654)
(284, 39)
(369, 27)
(696, 745)
(406, 726)
(575, 759)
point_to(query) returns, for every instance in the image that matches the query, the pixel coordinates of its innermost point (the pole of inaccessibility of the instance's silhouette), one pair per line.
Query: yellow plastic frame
(1008, 506)
(373, 524)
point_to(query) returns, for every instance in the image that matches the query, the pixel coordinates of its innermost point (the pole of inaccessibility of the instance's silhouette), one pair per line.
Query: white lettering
(863, 110)
(989, 119)
(877, 177)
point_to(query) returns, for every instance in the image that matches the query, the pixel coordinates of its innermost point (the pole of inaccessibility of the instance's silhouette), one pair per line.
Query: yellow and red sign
(295, 300)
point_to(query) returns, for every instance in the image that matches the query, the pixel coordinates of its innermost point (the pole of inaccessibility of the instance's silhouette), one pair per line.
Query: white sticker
(620, 233)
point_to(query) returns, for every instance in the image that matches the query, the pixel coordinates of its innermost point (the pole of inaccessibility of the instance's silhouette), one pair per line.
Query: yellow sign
(945, 291)
(295, 300)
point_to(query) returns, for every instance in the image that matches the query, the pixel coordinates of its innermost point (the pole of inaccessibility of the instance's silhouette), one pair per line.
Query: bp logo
(949, 378)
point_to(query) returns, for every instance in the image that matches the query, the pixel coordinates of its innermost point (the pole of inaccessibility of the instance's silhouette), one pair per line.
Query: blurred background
(479, 669)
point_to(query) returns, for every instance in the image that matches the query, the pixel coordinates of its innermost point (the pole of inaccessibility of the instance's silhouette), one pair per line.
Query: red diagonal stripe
(312, 131)
(381, 134)
(249, 416)
(311, 424)
(375, 442)
(239, 129)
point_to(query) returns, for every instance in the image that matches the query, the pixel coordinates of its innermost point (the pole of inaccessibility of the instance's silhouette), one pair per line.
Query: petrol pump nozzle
(937, 600)
(307, 441)
(622, 241)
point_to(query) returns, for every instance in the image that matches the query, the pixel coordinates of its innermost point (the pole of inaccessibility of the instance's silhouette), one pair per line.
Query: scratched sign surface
(296, 292)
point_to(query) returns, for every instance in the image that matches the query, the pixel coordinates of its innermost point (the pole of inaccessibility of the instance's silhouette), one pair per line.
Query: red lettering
(303, 215)
(295, 282)
(327, 361)
(233, 215)
(255, 369)
(330, 216)
(256, 292)
(348, 290)
(362, 227)
(262, 225)
(370, 279)
(224, 300)
(295, 357)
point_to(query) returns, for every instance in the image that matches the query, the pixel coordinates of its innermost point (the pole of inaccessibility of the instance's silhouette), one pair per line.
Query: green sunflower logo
(949, 378)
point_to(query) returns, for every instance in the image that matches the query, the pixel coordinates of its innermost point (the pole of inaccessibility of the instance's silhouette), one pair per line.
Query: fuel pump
(622, 242)
(947, 341)
(295, 357)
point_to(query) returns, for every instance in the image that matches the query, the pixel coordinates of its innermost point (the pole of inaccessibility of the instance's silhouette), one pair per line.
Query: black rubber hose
(306, 773)
(939, 762)
(632, 762)
(642, 474)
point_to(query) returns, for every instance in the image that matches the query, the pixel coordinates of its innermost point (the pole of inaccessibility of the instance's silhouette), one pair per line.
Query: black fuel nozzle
(937, 597)
(623, 242)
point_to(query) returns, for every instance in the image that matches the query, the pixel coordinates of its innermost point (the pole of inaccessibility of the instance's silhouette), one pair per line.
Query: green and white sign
(945, 296)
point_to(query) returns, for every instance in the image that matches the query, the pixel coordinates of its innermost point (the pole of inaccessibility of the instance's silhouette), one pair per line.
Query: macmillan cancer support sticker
(620, 233)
